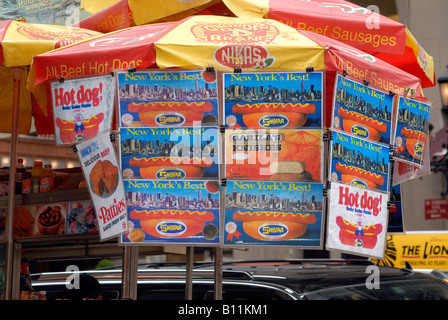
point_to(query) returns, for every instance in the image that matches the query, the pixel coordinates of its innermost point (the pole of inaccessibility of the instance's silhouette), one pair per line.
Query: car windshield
(426, 289)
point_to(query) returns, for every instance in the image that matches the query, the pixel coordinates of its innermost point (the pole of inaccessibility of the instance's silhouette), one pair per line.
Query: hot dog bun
(287, 166)
(245, 216)
(181, 113)
(162, 223)
(171, 167)
(286, 120)
(289, 170)
(357, 123)
(415, 142)
(274, 115)
(171, 214)
(167, 172)
(269, 225)
(352, 174)
(67, 131)
(284, 231)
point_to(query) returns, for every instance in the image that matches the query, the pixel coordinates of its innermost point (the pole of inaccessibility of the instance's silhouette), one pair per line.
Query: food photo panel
(273, 100)
(50, 219)
(81, 218)
(82, 108)
(357, 220)
(172, 212)
(168, 98)
(412, 129)
(274, 155)
(24, 222)
(183, 153)
(362, 111)
(273, 213)
(359, 162)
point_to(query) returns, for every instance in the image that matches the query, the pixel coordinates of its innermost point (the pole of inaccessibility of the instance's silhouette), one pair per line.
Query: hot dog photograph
(274, 213)
(168, 99)
(412, 130)
(169, 153)
(81, 108)
(357, 221)
(359, 163)
(362, 111)
(274, 155)
(287, 100)
(172, 212)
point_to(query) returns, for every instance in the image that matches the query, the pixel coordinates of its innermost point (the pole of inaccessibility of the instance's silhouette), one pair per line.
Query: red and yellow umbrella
(122, 14)
(222, 42)
(357, 26)
(195, 42)
(20, 42)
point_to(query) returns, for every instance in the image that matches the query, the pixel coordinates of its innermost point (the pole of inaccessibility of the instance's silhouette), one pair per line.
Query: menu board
(275, 155)
(273, 213)
(173, 212)
(82, 108)
(168, 98)
(362, 111)
(357, 221)
(412, 129)
(273, 100)
(359, 162)
(170, 153)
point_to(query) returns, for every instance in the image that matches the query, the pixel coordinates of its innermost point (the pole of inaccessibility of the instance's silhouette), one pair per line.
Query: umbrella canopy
(341, 20)
(363, 67)
(194, 42)
(127, 13)
(222, 42)
(19, 42)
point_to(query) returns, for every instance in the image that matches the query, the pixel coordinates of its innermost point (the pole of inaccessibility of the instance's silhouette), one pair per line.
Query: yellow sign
(421, 250)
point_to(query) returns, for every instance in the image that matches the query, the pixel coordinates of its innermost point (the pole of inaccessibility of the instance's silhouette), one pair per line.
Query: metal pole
(218, 273)
(189, 275)
(17, 74)
(130, 273)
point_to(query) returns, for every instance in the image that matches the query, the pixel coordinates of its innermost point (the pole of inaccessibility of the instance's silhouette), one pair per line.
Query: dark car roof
(306, 275)
(297, 279)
